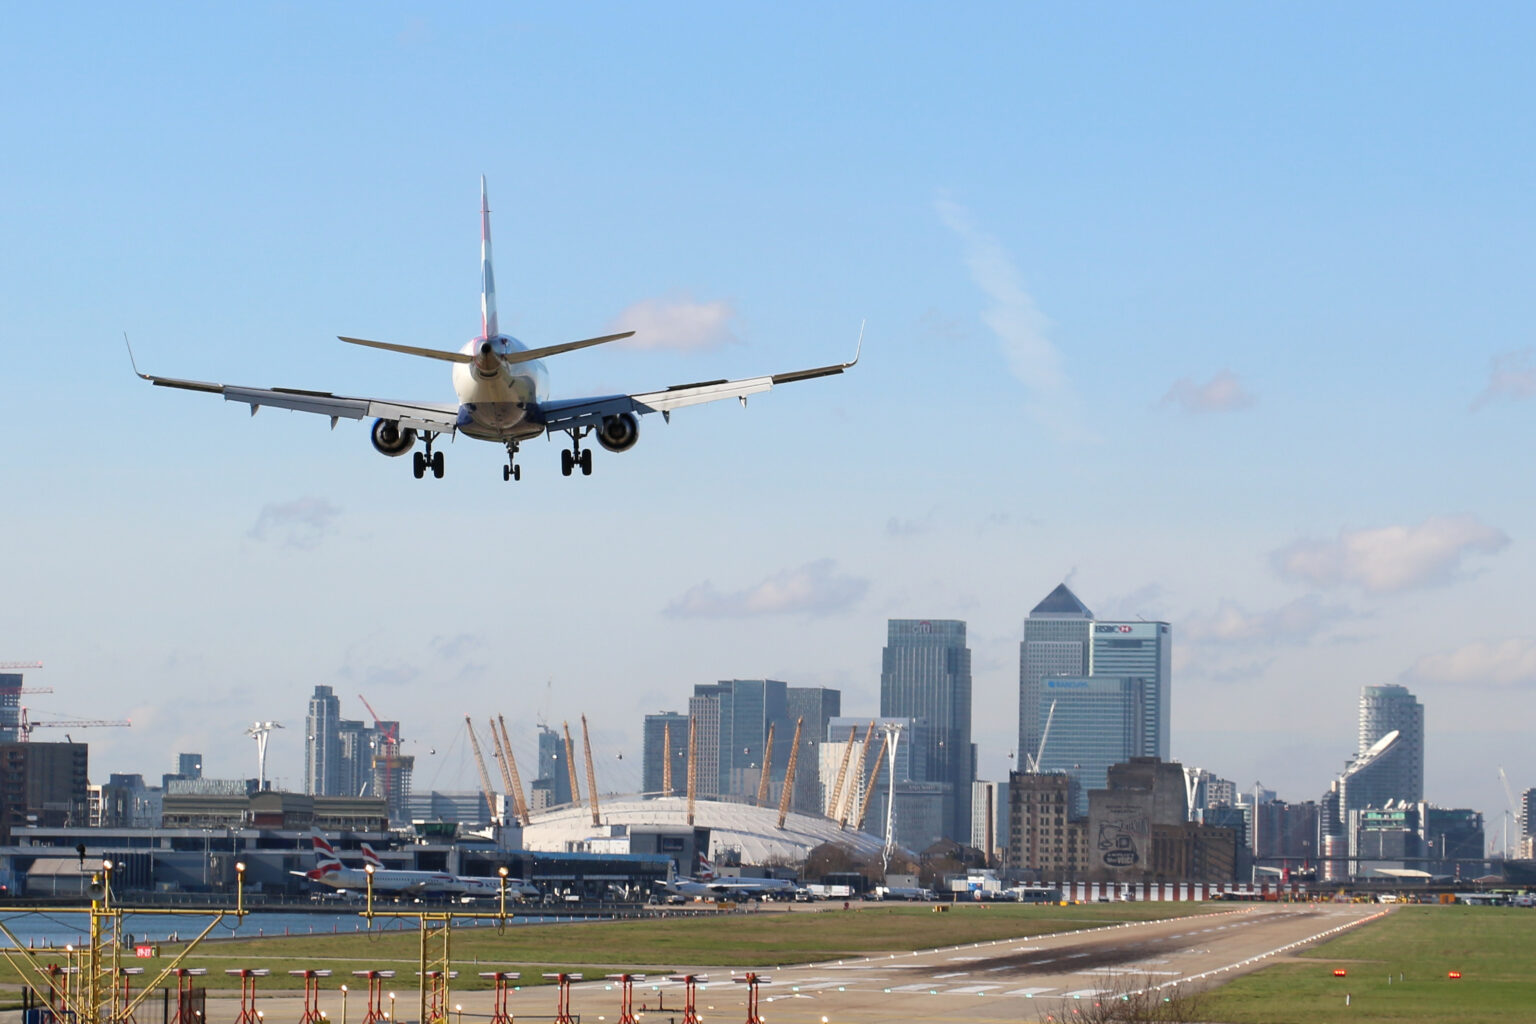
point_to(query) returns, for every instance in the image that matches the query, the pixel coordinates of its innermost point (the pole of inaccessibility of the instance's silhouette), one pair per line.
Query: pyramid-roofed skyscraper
(1058, 641)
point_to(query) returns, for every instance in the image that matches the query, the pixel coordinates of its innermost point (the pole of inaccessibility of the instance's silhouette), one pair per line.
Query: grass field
(762, 939)
(1494, 948)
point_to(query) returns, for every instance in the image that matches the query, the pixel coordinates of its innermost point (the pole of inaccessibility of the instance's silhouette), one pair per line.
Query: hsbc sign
(1122, 628)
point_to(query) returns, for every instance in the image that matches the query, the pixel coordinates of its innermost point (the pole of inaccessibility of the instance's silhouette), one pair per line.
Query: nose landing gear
(512, 471)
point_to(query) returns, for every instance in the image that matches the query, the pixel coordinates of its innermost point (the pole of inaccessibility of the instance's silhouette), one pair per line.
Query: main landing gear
(575, 456)
(512, 471)
(421, 462)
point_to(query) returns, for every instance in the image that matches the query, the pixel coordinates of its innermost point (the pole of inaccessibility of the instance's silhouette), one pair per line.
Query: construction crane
(789, 773)
(1509, 794)
(486, 788)
(24, 730)
(586, 743)
(666, 758)
(388, 753)
(1032, 761)
(514, 780)
(259, 731)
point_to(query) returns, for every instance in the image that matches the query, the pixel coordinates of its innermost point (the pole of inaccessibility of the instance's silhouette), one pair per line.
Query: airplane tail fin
(488, 325)
(326, 860)
(706, 869)
(371, 858)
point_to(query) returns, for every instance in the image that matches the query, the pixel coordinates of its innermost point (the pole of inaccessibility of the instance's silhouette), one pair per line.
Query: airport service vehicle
(501, 388)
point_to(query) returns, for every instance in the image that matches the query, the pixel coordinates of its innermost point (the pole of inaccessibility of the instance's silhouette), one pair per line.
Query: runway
(1010, 980)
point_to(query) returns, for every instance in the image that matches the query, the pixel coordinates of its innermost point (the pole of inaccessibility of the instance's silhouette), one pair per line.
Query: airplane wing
(581, 412)
(419, 415)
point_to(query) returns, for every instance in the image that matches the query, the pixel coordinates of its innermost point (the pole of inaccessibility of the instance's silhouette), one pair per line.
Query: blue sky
(1219, 312)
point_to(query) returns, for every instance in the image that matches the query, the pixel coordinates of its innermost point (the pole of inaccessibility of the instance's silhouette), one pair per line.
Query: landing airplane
(708, 885)
(500, 383)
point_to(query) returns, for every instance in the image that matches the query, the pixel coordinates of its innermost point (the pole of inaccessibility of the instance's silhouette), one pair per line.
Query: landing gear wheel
(506, 472)
(567, 462)
(419, 465)
(586, 462)
(517, 472)
(437, 465)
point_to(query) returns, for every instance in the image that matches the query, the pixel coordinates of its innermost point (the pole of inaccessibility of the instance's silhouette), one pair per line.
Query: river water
(59, 928)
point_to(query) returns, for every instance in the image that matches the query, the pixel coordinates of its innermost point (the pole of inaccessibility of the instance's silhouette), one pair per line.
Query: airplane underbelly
(497, 408)
(497, 421)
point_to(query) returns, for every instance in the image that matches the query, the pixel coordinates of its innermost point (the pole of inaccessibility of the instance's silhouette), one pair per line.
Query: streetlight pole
(343, 1004)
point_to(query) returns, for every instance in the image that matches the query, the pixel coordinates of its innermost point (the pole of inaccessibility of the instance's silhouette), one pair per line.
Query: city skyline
(1214, 313)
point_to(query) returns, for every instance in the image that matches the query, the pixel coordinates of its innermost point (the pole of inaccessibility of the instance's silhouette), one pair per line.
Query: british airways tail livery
(501, 387)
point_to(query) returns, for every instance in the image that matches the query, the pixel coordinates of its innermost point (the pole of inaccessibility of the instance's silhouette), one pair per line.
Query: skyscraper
(665, 738)
(554, 776)
(1384, 709)
(1095, 722)
(322, 743)
(925, 672)
(815, 706)
(1139, 650)
(1058, 641)
(732, 734)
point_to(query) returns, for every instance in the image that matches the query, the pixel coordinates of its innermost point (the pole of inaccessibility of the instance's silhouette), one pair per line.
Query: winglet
(860, 346)
(133, 362)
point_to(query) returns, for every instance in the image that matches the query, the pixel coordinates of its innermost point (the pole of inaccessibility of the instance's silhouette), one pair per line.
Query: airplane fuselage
(496, 396)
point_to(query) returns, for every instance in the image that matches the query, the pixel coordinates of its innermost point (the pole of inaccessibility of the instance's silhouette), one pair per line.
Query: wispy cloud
(1222, 393)
(1295, 622)
(1391, 559)
(677, 323)
(302, 523)
(1506, 664)
(1021, 329)
(1512, 375)
(816, 587)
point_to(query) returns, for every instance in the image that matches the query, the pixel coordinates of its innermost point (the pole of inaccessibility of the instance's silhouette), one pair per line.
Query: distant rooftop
(1062, 601)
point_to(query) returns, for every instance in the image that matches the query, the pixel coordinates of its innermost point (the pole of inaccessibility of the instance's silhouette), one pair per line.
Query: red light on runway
(1454, 975)
(1339, 972)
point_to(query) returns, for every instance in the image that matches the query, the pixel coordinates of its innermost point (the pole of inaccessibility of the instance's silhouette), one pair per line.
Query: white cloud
(1390, 559)
(1020, 327)
(677, 323)
(1509, 663)
(1222, 393)
(1512, 376)
(815, 587)
(1294, 622)
(302, 523)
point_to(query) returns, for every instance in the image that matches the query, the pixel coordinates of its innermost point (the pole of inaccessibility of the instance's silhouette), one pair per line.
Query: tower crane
(388, 754)
(24, 729)
(1509, 795)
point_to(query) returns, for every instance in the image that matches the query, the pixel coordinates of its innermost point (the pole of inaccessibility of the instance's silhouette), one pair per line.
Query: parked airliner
(500, 384)
(709, 885)
(329, 870)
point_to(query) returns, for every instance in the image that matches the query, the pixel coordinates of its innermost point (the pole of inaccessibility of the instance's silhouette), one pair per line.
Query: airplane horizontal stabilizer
(410, 350)
(528, 355)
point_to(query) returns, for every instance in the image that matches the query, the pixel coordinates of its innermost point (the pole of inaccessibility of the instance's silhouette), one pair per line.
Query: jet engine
(389, 439)
(619, 433)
